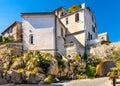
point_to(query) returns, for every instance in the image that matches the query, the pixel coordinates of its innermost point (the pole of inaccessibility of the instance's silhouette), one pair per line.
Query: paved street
(84, 82)
(90, 82)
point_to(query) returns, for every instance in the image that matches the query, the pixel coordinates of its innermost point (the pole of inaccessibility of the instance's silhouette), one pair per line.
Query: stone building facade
(59, 31)
(14, 31)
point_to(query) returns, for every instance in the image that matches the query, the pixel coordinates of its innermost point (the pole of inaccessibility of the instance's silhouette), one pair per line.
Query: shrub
(27, 56)
(93, 60)
(77, 58)
(65, 78)
(1, 39)
(83, 76)
(61, 62)
(73, 8)
(85, 56)
(105, 42)
(79, 70)
(113, 73)
(48, 80)
(90, 71)
(43, 62)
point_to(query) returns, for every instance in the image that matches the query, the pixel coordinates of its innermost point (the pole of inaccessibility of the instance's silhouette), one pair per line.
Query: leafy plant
(90, 71)
(61, 62)
(48, 80)
(1, 39)
(79, 70)
(105, 42)
(116, 55)
(85, 56)
(77, 58)
(93, 60)
(73, 8)
(43, 62)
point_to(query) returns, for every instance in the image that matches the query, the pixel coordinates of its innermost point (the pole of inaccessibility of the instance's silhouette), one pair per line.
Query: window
(31, 39)
(61, 14)
(89, 36)
(93, 28)
(77, 17)
(66, 21)
(9, 30)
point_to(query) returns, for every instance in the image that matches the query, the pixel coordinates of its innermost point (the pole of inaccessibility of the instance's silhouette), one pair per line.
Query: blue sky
(107, 12)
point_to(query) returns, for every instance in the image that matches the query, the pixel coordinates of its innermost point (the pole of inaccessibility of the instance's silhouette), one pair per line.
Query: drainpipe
(55, 32)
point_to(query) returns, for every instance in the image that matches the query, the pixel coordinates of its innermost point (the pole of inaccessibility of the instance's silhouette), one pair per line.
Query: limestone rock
(17, 64)
(104, 67)
(53, 69)
(3, 81)
(16, 77)
(35, 78)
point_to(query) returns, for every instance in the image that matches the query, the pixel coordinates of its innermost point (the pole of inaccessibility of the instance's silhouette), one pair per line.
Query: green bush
(1, 39)
(90, 71)
(93, 60)
(79, 70)
(105, 42)
(77, 58)
(73, 8)
(85, 56)
(48, 80)
(43, 62)
(65, 78)
(61, 62)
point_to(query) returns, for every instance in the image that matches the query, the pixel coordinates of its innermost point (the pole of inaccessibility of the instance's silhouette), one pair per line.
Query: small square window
(77, 17)
(66, 21)
(93, 28)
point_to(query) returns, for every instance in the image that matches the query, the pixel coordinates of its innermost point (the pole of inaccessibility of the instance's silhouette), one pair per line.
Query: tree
(73, 8)
(1, 39)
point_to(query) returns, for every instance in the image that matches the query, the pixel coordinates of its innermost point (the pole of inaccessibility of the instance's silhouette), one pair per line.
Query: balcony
(93, 42)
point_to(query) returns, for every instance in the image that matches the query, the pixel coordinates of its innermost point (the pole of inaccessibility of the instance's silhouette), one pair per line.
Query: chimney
(83, 5)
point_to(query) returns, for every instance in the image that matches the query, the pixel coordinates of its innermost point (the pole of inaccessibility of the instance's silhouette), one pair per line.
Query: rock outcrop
(103, 51)
(103, 68)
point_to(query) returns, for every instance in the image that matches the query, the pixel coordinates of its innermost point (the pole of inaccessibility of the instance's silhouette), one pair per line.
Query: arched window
(31, 39)
(77, 17)
(62, 13)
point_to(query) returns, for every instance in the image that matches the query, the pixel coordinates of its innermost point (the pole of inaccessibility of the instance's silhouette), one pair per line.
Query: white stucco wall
(76, 48)
(88, 25)
(60, 39)
(42, 29)
(103, 36)
(74, 27)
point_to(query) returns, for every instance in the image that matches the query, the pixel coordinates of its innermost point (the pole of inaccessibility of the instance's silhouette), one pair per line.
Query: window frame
(67, 21)
(31, 39)
(77, 17)
(93, 29)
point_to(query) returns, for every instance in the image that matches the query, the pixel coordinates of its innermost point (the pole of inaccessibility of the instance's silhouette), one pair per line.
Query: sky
(106, 12)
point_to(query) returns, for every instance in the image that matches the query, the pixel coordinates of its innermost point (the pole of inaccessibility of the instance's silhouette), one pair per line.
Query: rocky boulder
(17, 64)
(35, 78)
(53, 69)
(17, 77)
(104, 67)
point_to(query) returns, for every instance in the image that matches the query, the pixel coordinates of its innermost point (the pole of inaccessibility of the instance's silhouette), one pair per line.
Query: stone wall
(11, 48)
(104, 50)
